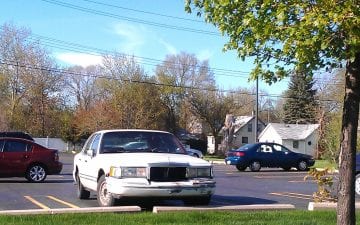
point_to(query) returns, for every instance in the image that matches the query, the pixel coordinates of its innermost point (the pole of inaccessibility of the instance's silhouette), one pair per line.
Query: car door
(266, 155)
(88, 168)
(282, 158)
(16, 155)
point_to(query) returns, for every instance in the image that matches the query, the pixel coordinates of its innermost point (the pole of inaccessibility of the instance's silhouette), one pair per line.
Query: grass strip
(294, 217)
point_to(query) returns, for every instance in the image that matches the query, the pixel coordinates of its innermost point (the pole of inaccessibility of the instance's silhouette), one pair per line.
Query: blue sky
(134, 27)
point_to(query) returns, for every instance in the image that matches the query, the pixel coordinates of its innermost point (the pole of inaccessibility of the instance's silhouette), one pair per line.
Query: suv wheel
(36, 173)
(104, 198)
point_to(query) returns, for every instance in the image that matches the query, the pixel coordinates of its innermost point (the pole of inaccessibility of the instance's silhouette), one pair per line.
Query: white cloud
(80, 59)
(133, 37)
(205, 54)
(169, 47)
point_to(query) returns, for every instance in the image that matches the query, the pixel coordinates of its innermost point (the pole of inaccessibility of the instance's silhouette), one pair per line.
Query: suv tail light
(239, 154)
(56, 156)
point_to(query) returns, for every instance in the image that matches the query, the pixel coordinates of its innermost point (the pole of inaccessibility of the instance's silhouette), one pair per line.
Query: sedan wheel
(302, 166)
(36, 173)
(357, 184)
(104, 198)
(240, 168)
(255, 166)
(81, 192)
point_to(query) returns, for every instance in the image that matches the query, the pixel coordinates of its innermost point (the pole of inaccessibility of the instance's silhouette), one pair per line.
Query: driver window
(277, 148)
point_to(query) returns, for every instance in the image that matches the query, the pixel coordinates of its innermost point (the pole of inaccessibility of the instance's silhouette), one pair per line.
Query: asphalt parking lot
(269, 186)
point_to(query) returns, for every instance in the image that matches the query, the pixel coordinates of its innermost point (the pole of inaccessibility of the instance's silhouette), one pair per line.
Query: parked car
(259, 155)
(24, 158)
(114, 166)
(16, 134)
(194, 152)
(357, 178)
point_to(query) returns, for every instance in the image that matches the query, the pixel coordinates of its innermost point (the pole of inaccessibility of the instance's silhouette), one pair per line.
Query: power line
(130, 19)
(94, 75)
(145, 12)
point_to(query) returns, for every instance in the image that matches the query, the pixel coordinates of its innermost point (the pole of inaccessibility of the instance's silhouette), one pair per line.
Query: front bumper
(137, 187)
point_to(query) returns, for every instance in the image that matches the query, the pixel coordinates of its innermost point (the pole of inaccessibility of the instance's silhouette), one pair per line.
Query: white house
(300, 138)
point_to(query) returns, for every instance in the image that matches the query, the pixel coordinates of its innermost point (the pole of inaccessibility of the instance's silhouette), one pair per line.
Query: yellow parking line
(36, 202)
(293, 195)
(62, 202)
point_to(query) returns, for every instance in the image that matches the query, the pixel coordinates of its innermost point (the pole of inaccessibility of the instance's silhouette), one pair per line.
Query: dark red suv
(24, 158)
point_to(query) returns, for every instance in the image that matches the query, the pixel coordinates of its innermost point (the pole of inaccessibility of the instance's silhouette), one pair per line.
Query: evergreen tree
(300, 105)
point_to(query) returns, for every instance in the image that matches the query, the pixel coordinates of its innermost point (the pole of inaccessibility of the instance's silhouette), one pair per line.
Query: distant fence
(57, 143)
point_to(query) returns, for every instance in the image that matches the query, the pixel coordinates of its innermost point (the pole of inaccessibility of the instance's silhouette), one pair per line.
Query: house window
(249, 126)
(295, 144)
(245, 140)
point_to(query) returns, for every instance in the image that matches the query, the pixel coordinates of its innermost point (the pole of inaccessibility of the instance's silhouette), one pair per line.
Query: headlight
(199, 172)
(122, 172)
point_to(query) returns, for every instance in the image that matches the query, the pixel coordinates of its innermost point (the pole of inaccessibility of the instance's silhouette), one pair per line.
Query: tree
(299, 36)
(179, 74)
(300, 105)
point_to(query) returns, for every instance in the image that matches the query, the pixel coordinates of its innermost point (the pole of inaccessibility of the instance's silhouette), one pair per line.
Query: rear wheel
(240, 168)
(255, 166)
(81, 192)
(104, 198)
(36, 173)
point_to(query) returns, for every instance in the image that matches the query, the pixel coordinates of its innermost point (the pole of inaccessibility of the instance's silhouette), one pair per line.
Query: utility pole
(257, 109)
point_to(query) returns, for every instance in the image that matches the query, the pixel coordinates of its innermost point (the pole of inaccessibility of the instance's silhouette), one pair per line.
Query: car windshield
(140, 141)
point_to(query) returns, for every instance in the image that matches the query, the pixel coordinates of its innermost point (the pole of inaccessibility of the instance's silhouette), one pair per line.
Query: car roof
(16, 134)
(131, 130)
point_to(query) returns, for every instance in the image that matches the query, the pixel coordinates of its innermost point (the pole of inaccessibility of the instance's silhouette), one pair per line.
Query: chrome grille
(167, 174)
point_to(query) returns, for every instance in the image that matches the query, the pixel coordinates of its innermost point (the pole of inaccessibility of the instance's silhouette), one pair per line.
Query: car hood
(154, 159)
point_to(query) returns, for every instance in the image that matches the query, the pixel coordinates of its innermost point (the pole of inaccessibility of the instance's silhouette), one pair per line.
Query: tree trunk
(346, 191)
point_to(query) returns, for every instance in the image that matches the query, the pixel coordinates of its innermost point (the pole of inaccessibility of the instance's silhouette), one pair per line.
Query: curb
(326, 205)
(160, 209)
(72, 210)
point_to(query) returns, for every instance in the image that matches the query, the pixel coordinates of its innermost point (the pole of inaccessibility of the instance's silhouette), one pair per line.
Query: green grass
(293, 217)
(325, 164)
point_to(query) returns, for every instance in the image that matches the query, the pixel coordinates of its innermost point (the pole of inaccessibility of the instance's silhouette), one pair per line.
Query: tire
(302, 165)
(104, 198)
(241, 168)
(255, 166)
(36, 173)
(81, 192)
(357, 184)
(193, 201)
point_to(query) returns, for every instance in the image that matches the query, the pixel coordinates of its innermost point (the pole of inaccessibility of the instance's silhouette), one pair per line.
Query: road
(269, 186)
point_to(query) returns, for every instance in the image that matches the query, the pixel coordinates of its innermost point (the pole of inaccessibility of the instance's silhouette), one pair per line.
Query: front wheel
(104, 198)
(302, 165)
(81, 192)
(36, 173)
(357, 184)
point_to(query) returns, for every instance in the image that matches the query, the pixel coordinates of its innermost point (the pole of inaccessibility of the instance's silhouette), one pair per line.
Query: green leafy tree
(300, 105)
(299, 36)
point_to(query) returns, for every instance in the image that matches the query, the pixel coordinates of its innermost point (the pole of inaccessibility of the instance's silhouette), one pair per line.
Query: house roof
(292, 131)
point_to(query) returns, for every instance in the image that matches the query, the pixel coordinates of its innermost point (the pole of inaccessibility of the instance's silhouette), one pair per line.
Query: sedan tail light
(239, 154)
(56, 156)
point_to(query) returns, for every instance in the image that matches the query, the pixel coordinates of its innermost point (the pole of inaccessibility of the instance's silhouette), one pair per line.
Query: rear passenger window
(15, 146)
(1, 145)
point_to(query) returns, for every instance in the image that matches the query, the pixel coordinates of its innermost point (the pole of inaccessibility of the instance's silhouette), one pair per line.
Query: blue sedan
(274, 155)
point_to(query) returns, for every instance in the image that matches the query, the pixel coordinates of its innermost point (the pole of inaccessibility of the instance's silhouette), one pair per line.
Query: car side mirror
(90, 152)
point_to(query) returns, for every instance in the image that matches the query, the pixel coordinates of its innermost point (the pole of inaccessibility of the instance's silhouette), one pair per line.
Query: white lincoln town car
(120, 164)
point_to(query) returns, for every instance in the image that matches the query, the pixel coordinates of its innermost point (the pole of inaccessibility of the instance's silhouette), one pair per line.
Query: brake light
(56, 158)
(239, 154)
